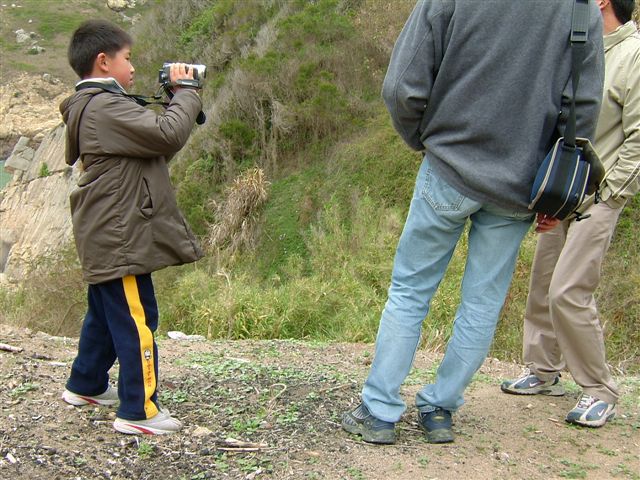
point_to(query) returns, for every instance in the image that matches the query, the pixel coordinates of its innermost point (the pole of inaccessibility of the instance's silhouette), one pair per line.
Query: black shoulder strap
(579, 35)
(112, 88)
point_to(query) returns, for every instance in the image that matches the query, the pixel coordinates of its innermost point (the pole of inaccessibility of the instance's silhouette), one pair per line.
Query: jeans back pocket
(440, 195)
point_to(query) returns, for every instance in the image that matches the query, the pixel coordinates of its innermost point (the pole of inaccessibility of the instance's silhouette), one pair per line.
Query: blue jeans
(436, 220)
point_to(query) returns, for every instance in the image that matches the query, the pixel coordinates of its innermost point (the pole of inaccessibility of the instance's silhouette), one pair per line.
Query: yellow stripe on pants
(146, 343)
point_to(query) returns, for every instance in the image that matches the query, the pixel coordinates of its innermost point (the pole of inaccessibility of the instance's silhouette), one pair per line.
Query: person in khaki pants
(561, 327)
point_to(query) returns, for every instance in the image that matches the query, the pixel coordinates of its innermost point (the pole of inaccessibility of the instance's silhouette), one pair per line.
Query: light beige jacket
(617, 138)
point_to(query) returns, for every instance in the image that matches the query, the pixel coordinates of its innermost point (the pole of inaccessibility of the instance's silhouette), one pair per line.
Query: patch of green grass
(606, 451)
(623, 470)
(355, 473)
(575, 470)
(630, 399)
(22, 389)
(145, 450)
(571, 387)
(48, 22)
(530, 431)
(246, 426)
(422, 376)
(174, 396)
(290, 416)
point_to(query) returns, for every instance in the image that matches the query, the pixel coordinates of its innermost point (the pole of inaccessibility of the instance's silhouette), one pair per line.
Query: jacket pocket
(146, 204)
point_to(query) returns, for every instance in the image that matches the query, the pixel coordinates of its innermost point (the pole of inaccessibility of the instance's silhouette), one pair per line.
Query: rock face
(29, 108)
(34, 207)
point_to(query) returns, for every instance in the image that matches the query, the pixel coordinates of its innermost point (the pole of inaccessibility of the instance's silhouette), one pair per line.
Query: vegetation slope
(298, 186)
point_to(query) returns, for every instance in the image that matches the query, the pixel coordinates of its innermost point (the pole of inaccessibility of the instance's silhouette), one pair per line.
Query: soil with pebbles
(271, 409)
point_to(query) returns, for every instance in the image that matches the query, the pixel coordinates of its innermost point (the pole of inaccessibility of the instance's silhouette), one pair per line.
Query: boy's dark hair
(90, 39)
(623, 9)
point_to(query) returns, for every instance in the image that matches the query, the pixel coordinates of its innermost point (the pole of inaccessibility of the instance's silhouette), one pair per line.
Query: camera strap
(114, 87)
(111, 85)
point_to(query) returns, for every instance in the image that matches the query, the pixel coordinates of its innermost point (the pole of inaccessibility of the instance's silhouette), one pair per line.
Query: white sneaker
(159, 424)
(109, 397)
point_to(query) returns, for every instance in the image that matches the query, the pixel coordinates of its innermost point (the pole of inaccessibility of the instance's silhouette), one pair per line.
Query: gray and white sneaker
(108, 397)
(159, 424)
(591, 412)
(529, 384)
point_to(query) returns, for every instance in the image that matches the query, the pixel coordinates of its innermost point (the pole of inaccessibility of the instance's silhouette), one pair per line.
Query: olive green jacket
(124, 212)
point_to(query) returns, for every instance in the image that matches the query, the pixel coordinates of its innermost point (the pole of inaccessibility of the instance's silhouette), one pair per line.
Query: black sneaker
(437, 425)
(371, 429)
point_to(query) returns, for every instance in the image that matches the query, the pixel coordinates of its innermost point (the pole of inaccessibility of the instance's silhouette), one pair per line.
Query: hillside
(278, 183)
(298, 187)
(271, 409)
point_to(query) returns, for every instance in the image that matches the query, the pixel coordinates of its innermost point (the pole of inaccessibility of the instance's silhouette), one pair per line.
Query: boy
(126, 223)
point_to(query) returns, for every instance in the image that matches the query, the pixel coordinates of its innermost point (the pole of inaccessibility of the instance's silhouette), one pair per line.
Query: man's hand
(544, 223)
(178, 71)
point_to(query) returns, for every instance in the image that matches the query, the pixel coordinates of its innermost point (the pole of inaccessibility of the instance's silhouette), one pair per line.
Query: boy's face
(119, 67)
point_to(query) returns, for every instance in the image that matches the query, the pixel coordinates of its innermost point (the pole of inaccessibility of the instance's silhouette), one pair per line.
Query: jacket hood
(73, 107)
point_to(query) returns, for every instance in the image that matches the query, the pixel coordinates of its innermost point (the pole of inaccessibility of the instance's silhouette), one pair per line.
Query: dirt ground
(271, 409)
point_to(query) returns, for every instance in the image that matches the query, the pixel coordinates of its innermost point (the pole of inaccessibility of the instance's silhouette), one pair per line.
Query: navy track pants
(120, 322)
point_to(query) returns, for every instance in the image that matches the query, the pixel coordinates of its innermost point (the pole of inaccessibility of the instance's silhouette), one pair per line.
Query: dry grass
(238, 216)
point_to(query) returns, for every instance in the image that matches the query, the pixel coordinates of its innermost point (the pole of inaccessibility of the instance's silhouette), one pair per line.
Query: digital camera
(199, 74)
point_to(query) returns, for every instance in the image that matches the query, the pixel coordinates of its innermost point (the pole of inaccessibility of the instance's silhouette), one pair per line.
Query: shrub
(44, 170)
(51, 297)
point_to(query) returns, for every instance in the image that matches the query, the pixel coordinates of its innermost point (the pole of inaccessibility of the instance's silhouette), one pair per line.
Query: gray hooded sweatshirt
(484, 86)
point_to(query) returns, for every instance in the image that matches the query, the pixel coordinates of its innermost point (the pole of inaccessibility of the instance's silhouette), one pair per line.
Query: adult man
(561, 319)
(478, 86)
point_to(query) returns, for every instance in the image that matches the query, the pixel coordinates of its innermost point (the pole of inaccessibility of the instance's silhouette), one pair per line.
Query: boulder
(20, 158)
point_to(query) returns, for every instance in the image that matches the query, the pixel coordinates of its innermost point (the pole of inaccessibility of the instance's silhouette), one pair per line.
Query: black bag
(572, 169)
(567, 174)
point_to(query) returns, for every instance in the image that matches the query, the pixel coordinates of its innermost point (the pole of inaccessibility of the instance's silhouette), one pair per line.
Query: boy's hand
(544, 223)
(178, 71)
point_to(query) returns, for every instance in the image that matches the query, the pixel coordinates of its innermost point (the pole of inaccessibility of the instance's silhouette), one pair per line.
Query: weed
(290, 416)
(174, 396)
(623, 470)
(572, 388)
(355, 473)
(575, 470)
(419, 376)
(23, 388)
(222, 463)
(606, 451)
(44, 170)
(247, 426)
(145, 450)
(530, 431)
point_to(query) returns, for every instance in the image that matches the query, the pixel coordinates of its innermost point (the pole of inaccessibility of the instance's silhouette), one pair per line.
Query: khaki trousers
(561, 326)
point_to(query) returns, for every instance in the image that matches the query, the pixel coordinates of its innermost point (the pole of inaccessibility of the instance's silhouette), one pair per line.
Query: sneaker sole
(80, 401)
(439, 436)
(382, 437)
(552, 391)
(132, 429)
